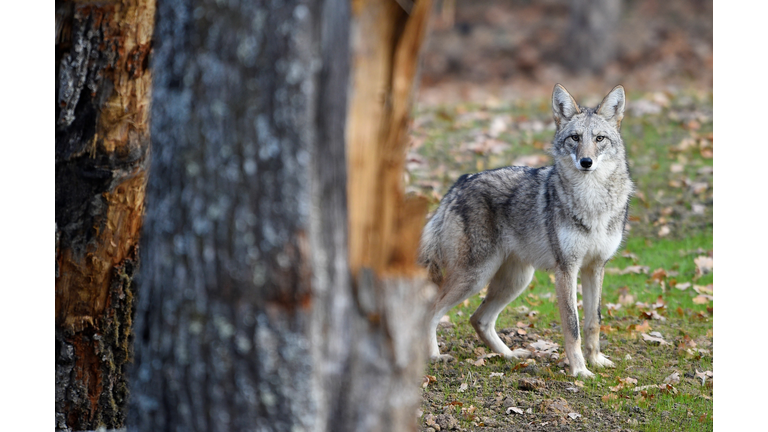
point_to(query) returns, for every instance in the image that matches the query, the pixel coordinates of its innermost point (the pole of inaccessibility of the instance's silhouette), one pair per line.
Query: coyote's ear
(612, 106)
(563, 105)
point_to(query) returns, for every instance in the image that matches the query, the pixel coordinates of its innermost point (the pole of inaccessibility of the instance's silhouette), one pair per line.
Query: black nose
(586, 162)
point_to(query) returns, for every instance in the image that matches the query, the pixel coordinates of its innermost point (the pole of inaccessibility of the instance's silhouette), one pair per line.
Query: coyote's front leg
(565, 285)
(592, 285)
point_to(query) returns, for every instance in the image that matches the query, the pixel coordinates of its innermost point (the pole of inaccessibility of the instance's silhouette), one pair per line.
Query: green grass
(670, 226)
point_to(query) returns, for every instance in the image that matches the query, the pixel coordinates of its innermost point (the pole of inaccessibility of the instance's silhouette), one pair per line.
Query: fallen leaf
(655, 339)
(544, 346)
(463, 387)
(490, 355)
(699, 187)
(644, 327)
(635, 269)
(498, 125)
(630, 255)
(609, 397)
(530, 384)
(702, 299)
(673, 378)
(572, 389)
(428, 379)
(574, 416)
(703, 289)
(659, 275)
(664, 231)
(652, 315)
(479, 362)
(683, 286)
(514, 410)
(628, 381)
(497, 374)
(703, 375)
(703, 265)
(626, 299)
(522, 309)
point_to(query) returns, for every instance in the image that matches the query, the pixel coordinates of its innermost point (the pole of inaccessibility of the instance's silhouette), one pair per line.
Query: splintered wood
(384, 224)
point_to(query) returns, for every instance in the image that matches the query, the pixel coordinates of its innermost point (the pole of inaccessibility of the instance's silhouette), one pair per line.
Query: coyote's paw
(518, 354)
(445, 358)
(584, 373)
(601, 361)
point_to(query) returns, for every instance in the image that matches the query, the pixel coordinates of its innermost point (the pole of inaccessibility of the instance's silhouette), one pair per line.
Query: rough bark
(591, 41)
(249, 317)
(222, 327)
(102, 142)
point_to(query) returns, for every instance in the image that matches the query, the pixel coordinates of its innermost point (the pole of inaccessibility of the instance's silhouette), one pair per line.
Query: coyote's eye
(575, 138)
(599, 138)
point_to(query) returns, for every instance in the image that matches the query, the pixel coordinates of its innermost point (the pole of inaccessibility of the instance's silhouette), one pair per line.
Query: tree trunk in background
(250, 315)
(591, 37)
(102, 143)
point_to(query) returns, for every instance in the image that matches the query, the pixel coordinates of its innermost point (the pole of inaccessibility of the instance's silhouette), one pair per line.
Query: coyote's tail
(429, 252)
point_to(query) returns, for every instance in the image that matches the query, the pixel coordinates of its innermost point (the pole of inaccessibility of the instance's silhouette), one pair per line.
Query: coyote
(495, 227)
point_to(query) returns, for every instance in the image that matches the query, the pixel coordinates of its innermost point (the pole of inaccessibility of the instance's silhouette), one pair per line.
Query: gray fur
(498, 225)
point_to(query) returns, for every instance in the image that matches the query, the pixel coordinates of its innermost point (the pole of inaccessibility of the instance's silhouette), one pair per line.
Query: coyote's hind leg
(510, 280)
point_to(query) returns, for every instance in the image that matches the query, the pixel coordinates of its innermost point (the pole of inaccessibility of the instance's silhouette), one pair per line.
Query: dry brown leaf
(628, 381)
(428, 379)
(644, 327)
(659, 275)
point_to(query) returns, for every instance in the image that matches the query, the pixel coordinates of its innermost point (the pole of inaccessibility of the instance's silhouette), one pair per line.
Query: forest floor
(657, 295)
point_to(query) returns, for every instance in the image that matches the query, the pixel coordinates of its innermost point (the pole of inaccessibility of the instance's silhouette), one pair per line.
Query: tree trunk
(250, 316)
(591, 40)
(102, 142)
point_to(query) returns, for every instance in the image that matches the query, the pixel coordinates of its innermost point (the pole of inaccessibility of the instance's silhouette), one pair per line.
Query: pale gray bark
(222, 327)
(248, 318)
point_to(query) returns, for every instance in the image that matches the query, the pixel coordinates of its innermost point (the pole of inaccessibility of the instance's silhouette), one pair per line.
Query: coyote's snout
(496, 226)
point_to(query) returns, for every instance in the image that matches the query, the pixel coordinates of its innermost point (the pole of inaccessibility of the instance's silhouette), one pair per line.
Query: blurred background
(487, 49)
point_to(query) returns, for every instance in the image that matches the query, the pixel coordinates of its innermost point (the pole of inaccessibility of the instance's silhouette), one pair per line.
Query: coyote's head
(587, 136)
